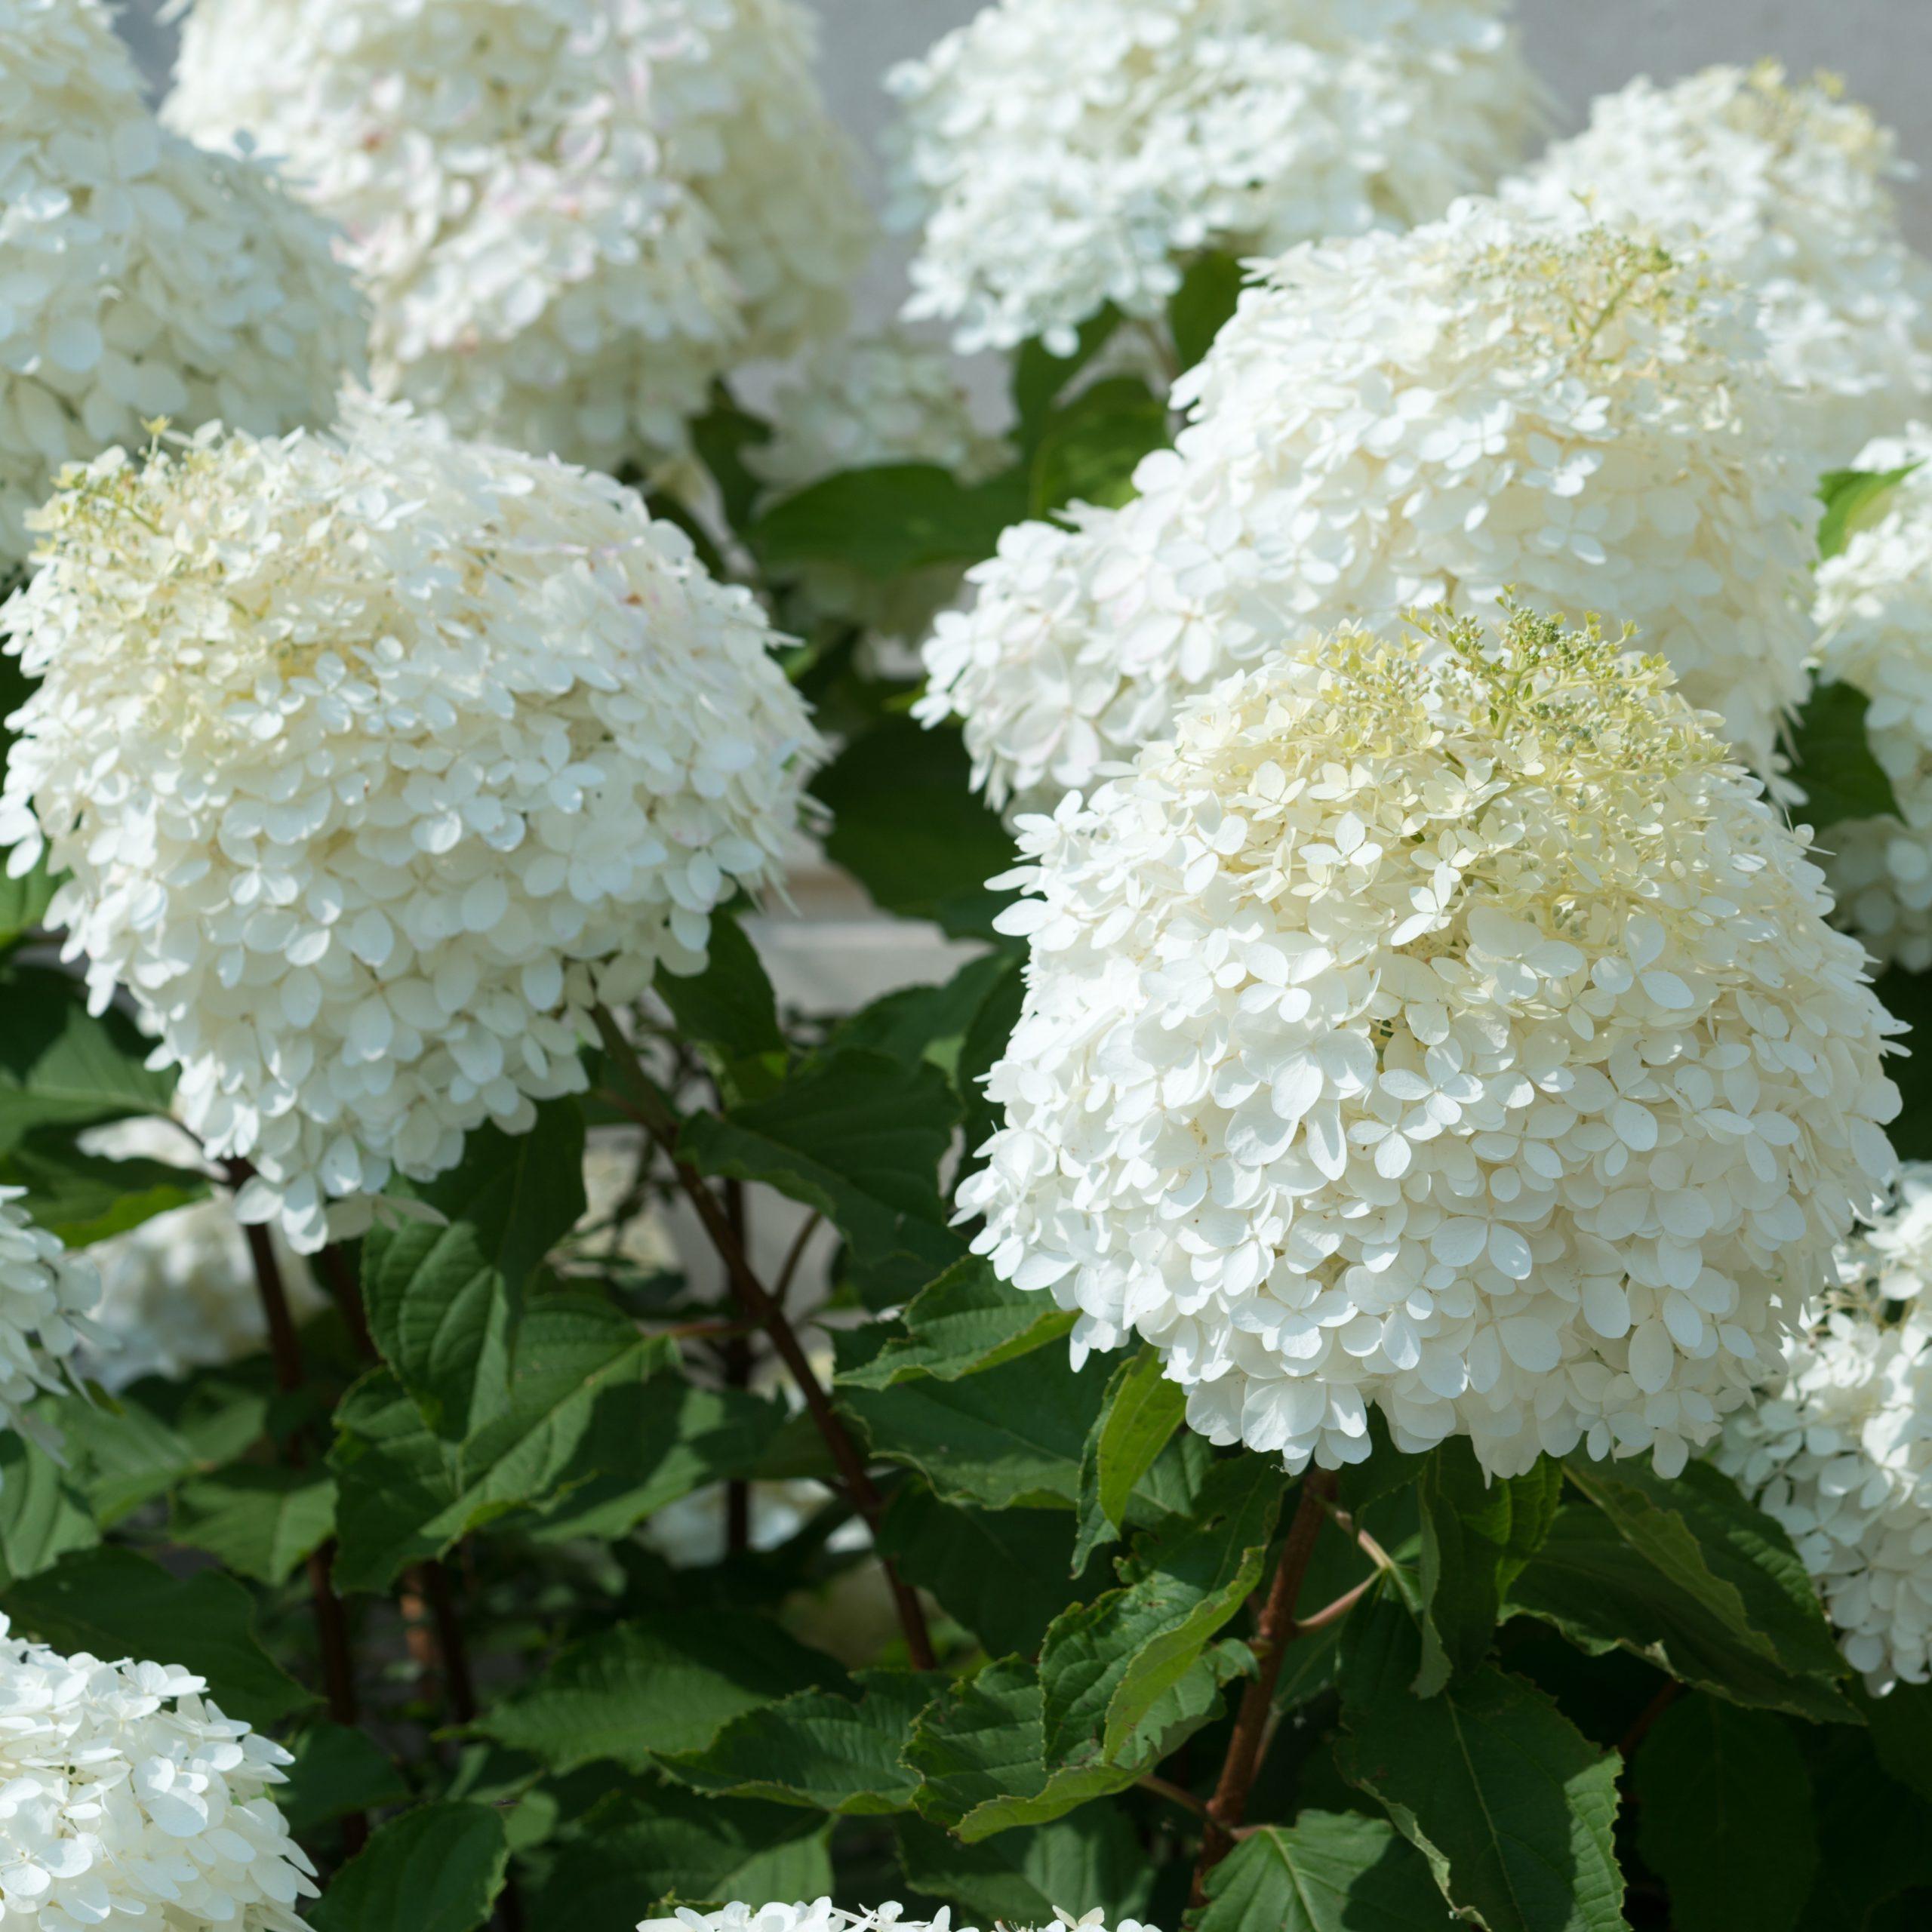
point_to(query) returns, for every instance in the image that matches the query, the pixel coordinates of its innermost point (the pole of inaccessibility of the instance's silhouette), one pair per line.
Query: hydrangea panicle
(1398, 420)
(1839, 1448)
(572, 214)
(374, 759)
(1873, 613)
(131, 1798)
(143, 278)
(1786, 190)
(47, 1295)
(1438, 1023)
(1062, 154)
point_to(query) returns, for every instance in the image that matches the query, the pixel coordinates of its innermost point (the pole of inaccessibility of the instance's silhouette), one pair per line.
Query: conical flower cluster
(1062, 154)
(1873, 613)
(571, 214)
(1405, 420)
(131, 1799)
(46, 1295)
(1786, 190)
(373, 762)
(1839, 1451)
(1438, 1024)
(141, 278)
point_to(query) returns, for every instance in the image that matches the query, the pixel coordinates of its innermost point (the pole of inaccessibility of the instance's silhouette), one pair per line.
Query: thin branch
(1275, 1629)
(1334, 1613)
(794, 1255)
(346, 1293)
(459, 1685)
(1641, 1728)
(738, 1363)
(652, 1112)
(1175, 1794)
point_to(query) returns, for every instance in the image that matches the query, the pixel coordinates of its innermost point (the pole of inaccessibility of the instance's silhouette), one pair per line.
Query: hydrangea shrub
(1332, 1342)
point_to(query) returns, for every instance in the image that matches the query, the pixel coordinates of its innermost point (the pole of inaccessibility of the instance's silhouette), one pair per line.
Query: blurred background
(1581, 47)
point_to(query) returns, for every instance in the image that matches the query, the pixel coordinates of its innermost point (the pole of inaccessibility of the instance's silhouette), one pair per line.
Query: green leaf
(127, 1449)
(965, 1322)
(906, 824)
(1330, 1872)
(117, 1604)
(730, 1011)
(1723, 1555)
(61, 1066)
(443, 1300)
(1198, 310)
(859, 1137)
(1477, 1534)
(1040, 378)
(1854, 499)
(1106, 1664)
(1010, 1437)
(84, 1198)
(633, 1852)
(930, 1023)
(438, 1869)
(887, 522)
(651, 1444)
(1090, 449)
(44, 1515)
(23, 903)
(258, 1519)
(1725, 1816)
(1899, 1722)
(820, 1748)
(1832, 762)
(1875, 1839)
(668, 1685)
(404, 1494)
(1908, 996)
(980, 1749)
(1512, 1805)
(1139, 1415)
(336, 1770)
(1003, 1573)
(1091, 1861)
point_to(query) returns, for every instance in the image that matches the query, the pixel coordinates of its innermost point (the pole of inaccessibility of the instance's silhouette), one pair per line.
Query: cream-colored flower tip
(1785, 189)
(1839, 1451)
(46, 1296)
(572, 214)
(1438, 1022)
(1060, 154)
(141, 277)
(374, 760)
(1412, 420)
(1875, 617)
(131, 1799)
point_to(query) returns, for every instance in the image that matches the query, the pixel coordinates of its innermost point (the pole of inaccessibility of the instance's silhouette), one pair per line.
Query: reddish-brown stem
(1334, 1613)
(332, 1636)
(1175, 1794)
(649, 1109)
(346, 1293)
(737, 1355)
(1275, 1629)
(1640, 1728)
(437, 1641)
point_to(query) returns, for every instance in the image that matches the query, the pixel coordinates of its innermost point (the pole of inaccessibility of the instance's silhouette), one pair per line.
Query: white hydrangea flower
(1397, 421)
(141, 277)
(374, 760)
(1440, 1024)
(1062, 154)
(178, 1292)
(572, 214)
(46, 1296)
(860, 402)
(821, 1916)
(130, 1798)
(1839, 1451)
(1785, 189)
(1873, 613)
